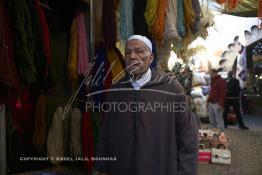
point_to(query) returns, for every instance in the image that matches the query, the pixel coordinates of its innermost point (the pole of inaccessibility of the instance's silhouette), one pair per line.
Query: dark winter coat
(149, 140)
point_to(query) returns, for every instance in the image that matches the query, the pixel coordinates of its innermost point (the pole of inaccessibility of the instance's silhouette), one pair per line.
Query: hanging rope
(150, 12)
(126, 19)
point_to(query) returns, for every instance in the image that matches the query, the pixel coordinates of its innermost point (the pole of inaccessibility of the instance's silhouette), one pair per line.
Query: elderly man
(148, 128)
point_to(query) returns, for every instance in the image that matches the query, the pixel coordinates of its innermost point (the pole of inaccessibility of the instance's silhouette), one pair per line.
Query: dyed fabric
(76, 133)
(159, 24)
(87, 140)
(180, 18)
(24, 112)
(40, 59)
(39, 132)
(109, 23)
(24, 44)
(96, 122)
(72, 57)
(45, 31)
(171, 21)
(126, 19)
(8, 74)
(99, 73)
(197, 11)
(150, 13)
(115, 65)
(140, 26)
(82, 43)
(55, 137)
(189, 16)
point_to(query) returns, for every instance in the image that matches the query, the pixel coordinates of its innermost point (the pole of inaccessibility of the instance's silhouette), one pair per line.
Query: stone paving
(246, 150)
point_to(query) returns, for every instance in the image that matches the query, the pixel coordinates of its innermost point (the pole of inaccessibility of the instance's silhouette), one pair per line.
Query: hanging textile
(171, 21)
(24, 111)
(126, 19)
(8, 74)
(189, 18)
(87, 140)
(40, 59)
(197, 11)
(96, 122)
(109, 23)
(39, 132)
(23, 46)
(115, 65)
(55, 137)
(45, 31)
(76, 135)
(159, 23)
(98, 20)
(232, 4)
(139, 22)
(82, 43)
(180, 18)
(100, 73)
(260, 10)
(72, 57)
(150, 13)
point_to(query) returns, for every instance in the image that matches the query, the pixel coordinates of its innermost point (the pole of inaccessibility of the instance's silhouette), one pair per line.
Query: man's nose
(133, 55)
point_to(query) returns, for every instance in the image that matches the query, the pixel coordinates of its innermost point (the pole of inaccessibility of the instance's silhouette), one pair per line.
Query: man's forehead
(134, 43)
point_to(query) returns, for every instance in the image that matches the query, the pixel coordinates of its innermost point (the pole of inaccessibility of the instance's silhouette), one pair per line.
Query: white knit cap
(142, 38)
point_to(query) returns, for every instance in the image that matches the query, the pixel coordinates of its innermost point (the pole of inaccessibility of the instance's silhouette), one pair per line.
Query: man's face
(137, 57)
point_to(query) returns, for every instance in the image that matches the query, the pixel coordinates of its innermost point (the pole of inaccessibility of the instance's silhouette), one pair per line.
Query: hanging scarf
(126, 19)
(232, 4)
(45, 31)
(189, 15)
(24, 44)
(180, 18)
(8, 74)
(72, 58)
(150, 12)
(109, 23)
(39, 133)
(82, 44)
(159, 23)
(170, 22)
(87, 140)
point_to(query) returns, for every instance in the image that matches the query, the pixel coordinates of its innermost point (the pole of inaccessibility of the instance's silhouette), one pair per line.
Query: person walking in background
(216, 100)
(233, 99)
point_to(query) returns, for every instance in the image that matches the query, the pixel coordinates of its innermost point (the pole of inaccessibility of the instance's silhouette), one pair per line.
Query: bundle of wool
(55, 138)
(76, 136)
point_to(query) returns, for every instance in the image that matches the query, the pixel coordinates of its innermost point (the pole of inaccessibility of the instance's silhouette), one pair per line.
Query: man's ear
(151, 58)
